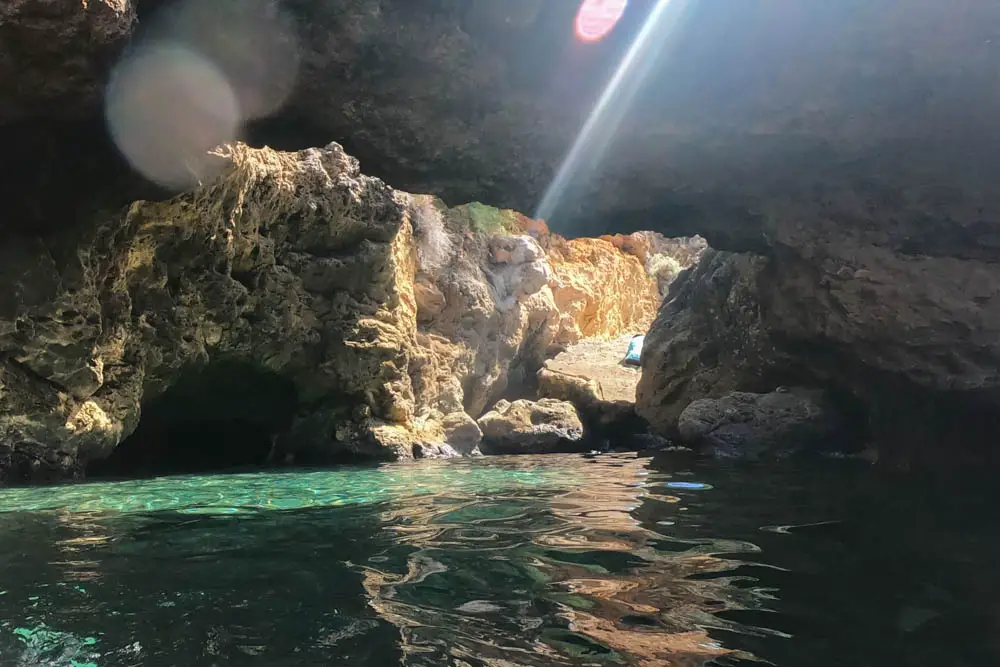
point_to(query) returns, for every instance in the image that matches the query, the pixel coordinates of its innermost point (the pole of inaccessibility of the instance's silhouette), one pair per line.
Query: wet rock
(649, 442)
(532, 427)
(423, 450)
(773, 425)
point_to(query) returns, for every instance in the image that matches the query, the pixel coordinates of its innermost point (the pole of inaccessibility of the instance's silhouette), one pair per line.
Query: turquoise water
(503, 562)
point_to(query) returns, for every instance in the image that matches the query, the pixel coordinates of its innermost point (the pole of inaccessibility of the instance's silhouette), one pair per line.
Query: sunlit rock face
(387, 322)
(289, 262)
(527, 427)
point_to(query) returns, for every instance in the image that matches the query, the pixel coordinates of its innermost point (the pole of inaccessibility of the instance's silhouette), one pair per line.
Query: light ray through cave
(593, 139)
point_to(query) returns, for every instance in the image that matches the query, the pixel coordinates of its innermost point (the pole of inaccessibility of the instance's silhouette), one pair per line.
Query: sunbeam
(591, 143)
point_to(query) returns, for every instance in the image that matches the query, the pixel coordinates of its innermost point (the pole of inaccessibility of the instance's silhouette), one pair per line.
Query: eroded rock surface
(851, 147)
(664, 258)
(600, 290)
(532, 427)
(55, 54)
(893, 334)
(397, 321)
(773, 425)
(290, 261)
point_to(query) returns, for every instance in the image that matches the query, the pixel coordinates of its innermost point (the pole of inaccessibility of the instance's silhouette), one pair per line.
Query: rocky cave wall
(395, 319)
(845, 151)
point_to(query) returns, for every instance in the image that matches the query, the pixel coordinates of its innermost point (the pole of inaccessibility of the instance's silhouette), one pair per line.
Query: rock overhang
(750, 111)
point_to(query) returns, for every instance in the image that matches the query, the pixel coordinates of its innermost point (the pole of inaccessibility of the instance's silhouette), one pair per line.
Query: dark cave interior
(223, 416)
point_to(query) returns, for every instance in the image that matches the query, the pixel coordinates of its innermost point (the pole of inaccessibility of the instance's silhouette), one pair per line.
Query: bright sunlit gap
(591, 143)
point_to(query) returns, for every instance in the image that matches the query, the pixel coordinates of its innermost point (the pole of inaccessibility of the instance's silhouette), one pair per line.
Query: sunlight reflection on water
(496, 562)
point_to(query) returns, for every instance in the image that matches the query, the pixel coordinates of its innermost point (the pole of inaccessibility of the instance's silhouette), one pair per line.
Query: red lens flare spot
(596, 18)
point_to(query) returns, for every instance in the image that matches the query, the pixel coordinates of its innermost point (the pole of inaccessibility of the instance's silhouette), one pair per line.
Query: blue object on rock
(634, 353)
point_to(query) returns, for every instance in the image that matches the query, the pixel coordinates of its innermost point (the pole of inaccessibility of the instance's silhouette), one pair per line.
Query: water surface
(503, 562)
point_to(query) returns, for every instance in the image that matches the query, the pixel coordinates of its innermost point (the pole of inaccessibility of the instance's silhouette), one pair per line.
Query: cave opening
(222, 417)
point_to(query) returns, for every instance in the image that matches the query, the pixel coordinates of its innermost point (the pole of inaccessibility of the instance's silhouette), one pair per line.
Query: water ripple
(508, 562)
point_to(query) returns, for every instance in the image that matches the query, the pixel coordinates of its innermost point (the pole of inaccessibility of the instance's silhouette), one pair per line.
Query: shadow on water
(170, 588)
(524, 562)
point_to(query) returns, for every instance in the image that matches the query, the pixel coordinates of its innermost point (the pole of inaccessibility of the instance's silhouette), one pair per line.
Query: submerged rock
(772, 425)
(532, 427)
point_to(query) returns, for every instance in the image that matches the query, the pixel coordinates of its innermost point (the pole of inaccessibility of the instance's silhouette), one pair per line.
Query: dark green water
(503, 563)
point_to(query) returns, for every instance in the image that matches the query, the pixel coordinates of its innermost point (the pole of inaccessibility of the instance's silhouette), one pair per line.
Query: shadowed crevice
(223, 416)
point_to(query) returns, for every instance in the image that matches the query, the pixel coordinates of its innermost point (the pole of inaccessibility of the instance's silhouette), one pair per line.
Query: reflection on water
(543, 578)
(503, 563)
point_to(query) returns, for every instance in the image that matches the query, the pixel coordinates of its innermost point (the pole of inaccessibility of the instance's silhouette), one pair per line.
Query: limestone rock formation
(55, 55)
(294, 262)
(510, 294)
(664, 258)
(772, 425)
(600, 290)
(394, 320)
(532, 427)
(591, 376)
(891, 334)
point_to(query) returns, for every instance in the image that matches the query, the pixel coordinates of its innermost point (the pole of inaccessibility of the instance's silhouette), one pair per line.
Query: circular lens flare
(166, 108)
(596, 18)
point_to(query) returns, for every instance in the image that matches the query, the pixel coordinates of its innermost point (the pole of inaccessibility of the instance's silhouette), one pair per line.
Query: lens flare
(202, 69)
(596, 18)
(166, 107)
(253, 43)
(587, 151)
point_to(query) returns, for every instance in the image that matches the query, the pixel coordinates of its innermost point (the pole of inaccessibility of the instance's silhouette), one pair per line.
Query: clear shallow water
(504, 562)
